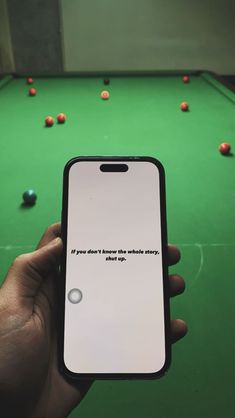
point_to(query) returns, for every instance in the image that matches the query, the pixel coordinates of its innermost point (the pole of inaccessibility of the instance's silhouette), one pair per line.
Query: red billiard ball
(61, 118)
(30, 80)
(106, 81)
(186, 79)
(184, 106)
(49, 121)
(104, 95)
(32, 92)
(225, 148)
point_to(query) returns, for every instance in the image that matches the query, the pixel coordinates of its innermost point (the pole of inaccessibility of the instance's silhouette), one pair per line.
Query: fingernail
(55, 241)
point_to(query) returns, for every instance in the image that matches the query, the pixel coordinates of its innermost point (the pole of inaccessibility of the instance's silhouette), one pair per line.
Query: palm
(61, 395)
(58, 393)
(28, 334)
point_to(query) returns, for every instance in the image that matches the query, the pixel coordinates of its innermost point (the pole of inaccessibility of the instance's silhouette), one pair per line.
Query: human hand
(30, 382)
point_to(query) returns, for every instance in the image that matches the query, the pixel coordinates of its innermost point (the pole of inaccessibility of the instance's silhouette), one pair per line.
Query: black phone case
(61, 287)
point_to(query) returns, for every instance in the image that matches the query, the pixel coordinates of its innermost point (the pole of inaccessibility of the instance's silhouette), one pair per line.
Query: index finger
(173, 255)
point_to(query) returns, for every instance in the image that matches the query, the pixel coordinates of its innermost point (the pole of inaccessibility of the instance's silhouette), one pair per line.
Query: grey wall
(6, 54)
(149, 35)
(36, 37)
(111, 35)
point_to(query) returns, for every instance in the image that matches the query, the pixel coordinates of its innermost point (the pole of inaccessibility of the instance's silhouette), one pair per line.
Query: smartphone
(114, 296)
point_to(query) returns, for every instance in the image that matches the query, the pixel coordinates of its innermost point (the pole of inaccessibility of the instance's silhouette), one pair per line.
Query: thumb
(28, 271)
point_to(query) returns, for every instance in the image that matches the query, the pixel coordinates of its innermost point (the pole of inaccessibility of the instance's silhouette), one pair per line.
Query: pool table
(141, 117)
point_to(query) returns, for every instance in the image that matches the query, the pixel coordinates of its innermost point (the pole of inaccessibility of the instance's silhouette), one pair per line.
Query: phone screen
(114, 319)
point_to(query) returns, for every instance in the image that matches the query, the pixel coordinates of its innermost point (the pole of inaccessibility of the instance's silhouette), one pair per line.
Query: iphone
(114, 296)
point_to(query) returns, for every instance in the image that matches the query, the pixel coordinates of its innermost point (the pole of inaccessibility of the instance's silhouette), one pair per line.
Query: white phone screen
(114, 302)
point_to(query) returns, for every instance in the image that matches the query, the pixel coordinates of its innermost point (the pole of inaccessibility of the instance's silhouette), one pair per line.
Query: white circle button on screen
(75, 296)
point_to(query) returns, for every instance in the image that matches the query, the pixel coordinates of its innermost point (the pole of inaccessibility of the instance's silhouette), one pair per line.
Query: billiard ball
(225, 148)
(29, 80)
(104, 95)
(186, 79)
(61, 118)
(32, 92)
(106, 81)
(184, 106)
(49, 121)
(29, 197)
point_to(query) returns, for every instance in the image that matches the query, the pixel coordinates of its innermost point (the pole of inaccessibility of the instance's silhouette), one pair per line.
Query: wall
(6, 54)
(148, 35)
(36, 36)
(110, 35)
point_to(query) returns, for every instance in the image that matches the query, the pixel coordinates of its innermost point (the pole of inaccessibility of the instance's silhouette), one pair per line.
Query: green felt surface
(142, 117)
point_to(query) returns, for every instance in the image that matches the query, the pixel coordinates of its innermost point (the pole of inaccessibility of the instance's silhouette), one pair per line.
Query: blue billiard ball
(29, 197)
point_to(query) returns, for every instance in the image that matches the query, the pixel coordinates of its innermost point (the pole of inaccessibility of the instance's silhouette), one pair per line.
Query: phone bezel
(61, 287)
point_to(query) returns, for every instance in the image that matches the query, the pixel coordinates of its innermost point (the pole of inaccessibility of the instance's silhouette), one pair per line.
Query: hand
(30, 383)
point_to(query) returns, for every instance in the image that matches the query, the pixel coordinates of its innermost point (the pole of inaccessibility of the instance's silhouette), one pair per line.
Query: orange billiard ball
(32, 92)
(49, 121)
(184, 106)
(104, 95)
(186, 79)
(61, 118)
(225, 148)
